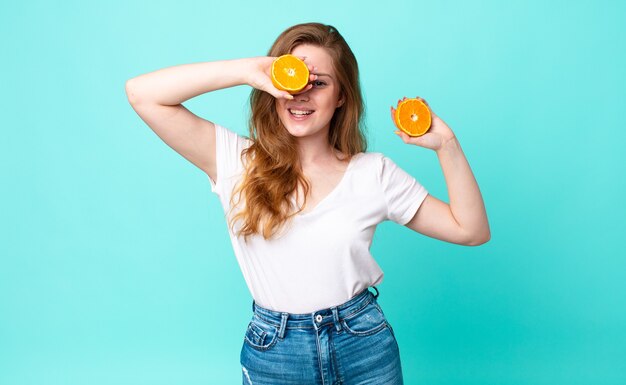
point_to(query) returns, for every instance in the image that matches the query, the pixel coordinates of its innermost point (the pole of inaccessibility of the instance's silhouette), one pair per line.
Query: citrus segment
(289, 73)
(413, 117)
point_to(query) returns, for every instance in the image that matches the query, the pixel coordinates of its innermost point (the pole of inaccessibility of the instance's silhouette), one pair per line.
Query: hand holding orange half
(418, 124)
(289, 74)
(412, 116)
(259, 76)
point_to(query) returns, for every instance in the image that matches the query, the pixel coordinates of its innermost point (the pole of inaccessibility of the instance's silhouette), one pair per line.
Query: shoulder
(385, 169)
(229, 151)
(368, 165)
(374, 157)
(226, 135)
(368, 158)
(372, 161)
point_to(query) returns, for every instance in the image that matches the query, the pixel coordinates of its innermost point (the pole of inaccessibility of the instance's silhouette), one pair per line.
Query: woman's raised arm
(464, 220)
(157, 98)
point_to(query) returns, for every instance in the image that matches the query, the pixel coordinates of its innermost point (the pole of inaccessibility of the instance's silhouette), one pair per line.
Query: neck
(314, 149)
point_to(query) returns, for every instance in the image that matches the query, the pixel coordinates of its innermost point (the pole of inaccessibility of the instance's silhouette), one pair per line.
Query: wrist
(245, 67)
(449, 145)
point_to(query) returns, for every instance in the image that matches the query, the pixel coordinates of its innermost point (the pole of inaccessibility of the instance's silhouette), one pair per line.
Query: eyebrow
(321, 74)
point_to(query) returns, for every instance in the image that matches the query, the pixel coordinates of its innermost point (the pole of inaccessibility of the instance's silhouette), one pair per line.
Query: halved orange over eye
(413, 117)
(289, 73)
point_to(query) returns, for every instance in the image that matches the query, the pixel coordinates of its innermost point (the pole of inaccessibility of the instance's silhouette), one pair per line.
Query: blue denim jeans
(348, 344)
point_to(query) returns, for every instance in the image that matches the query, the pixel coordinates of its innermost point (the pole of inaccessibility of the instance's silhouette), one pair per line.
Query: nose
(302, 97)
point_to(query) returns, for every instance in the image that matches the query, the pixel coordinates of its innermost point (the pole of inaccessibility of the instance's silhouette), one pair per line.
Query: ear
(340, 102)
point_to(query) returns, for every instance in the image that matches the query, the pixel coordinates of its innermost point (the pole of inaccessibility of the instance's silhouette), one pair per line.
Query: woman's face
(322, 99)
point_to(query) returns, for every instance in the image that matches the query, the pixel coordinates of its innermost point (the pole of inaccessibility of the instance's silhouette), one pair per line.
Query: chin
(299, 133)
(300, 130)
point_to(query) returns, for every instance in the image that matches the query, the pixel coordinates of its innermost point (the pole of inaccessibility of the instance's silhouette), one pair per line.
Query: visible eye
(319, 83)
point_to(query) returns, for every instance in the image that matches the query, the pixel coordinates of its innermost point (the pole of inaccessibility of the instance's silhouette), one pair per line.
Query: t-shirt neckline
(334, 190)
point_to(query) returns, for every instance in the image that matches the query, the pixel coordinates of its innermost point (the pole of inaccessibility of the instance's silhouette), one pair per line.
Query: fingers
(275, 92)
(282, 95)
(405, 138)
(417, 140)
(417, 97)
(279, 94)
(310, 66)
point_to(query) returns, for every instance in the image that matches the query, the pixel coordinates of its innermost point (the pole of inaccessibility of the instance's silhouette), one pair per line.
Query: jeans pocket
(367, 321)
(260, 335)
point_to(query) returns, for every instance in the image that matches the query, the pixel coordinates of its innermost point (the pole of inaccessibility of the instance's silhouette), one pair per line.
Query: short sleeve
(228, 148)
(403, 193)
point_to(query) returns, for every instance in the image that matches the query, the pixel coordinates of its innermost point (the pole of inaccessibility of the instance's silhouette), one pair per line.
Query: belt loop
(283, 325)
(375, 295)
(336, 318)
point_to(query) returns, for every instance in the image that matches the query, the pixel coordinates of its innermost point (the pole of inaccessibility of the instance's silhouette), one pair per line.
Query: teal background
(115, 263)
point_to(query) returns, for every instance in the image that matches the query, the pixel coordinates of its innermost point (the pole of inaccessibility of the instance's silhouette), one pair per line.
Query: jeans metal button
(318, 318)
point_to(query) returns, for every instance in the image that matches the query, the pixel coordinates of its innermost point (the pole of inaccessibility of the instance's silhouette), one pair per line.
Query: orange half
(289, 73)
(413, 117)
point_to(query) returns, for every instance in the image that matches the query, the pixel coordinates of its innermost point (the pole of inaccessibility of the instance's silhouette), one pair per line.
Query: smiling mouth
(300, 112)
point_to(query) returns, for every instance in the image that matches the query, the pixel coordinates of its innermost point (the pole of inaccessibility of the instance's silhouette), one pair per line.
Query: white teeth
(300, 112)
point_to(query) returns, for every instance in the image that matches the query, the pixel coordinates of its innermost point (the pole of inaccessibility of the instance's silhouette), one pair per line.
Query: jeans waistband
(316, 319)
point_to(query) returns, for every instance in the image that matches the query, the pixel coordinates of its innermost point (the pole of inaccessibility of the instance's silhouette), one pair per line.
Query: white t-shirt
(323, 258)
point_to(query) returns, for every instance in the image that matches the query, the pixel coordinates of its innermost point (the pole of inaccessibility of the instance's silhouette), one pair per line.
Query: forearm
(466, 202)
(174, 85)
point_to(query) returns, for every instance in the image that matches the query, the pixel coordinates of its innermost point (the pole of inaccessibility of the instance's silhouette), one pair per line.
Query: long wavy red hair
(272, 167)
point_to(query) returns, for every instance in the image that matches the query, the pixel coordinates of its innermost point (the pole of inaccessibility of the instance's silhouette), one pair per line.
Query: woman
(303, 199)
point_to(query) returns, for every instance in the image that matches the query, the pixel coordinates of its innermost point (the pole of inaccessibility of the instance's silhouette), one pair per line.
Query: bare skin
(157, 98)
(323, 178)
(319, 162)
(464, 219)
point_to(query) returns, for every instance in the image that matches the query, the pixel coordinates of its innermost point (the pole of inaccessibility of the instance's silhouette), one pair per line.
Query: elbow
(131, 94)
(479, 238)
